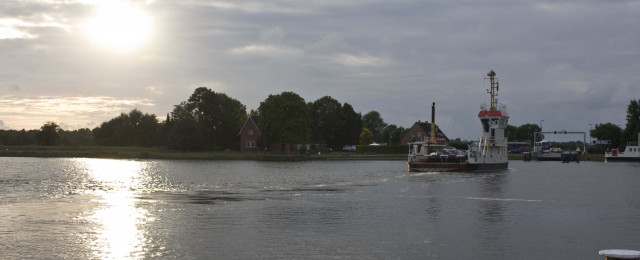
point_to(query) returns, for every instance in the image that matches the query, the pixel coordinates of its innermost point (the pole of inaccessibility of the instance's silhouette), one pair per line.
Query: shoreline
(107, 152)
(101, 152)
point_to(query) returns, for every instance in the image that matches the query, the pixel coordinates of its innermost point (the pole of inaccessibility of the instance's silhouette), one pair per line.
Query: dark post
(433, 121)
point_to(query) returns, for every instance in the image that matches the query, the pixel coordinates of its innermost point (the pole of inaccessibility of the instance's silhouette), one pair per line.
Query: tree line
(620, 137)
(211, 121)
(208, 120)
(604, 131)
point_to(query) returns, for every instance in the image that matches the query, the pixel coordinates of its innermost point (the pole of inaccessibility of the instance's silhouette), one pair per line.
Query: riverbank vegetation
(113, 152)
(209, 122)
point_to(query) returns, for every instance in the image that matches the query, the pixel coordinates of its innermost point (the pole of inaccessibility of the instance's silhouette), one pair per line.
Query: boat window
(493, 132)
(503, 121)
(485, 124)
(494, 121)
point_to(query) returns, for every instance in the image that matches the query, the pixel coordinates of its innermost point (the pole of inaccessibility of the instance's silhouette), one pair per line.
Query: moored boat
(631, 153)
(487, 154)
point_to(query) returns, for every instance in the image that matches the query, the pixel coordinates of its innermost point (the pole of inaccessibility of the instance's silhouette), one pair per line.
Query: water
(114, 209)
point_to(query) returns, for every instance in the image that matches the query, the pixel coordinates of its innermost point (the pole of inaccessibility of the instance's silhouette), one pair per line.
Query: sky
(565, 64)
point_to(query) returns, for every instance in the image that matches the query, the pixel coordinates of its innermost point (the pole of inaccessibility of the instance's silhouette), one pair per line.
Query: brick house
(251, 139)
(421, 131)
(250, 136)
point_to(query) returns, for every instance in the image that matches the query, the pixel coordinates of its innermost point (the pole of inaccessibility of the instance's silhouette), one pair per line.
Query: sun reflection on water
(118, 221)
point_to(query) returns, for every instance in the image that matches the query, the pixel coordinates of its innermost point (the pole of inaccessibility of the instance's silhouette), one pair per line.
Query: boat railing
(500, 107)
(436, 141)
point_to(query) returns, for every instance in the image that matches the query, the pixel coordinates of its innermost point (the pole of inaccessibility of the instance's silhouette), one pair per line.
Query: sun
(118, 25)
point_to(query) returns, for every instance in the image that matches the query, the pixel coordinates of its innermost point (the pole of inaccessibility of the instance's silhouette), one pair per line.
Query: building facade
(420, 132)
(250, 136)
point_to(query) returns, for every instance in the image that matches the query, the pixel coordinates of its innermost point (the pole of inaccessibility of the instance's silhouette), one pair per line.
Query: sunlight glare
(119, 222)
(118, 25)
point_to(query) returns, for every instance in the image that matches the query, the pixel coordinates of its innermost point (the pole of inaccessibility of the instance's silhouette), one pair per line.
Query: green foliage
(132, 129)
(68, 138)
(333, 124)
(598, 148)
(374, 122)
(284, 119)
(382, 149)
(607, 131)
(511, 133)
(326, 123)
(205, 121)
(633, 122)
(254, 113)
(218, 116)
(49, 134)
(18, 137)
(392, 134)
(523, 133)
(366, 137)
(80, 137)
(183, 133)
(350, 133)
(568, 146)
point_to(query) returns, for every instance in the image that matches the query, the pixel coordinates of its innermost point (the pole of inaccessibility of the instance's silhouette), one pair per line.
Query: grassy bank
(588, 157)
(163, 153)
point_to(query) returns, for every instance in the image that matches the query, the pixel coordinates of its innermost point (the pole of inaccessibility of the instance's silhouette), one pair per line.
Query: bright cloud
(358, 60)
(265, 50)
(570, 63)
(31, 112)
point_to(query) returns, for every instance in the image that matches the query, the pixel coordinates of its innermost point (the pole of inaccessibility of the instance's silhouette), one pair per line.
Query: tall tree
(326, 123)
(350, 134)
(49, 134)
(607, 131)
(392, 134)
(183, 132)
(511, 132)
(526, 132)
(284, 118)
(374, 122)
(132, 129)
(217, 117)
(633, 122)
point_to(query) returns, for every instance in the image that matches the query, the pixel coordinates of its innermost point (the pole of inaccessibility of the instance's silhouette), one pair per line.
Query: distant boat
(489, 153)
(631, 154)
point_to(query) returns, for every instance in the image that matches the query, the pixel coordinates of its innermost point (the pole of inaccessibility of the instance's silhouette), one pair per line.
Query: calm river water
(114, 209)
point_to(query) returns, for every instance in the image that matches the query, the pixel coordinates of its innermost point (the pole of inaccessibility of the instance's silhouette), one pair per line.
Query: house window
(413, 134)
(419, 134)
(250, 132)
(251, 144)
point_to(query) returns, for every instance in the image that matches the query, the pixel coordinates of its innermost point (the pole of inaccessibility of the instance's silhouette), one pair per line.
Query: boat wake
(499, 199)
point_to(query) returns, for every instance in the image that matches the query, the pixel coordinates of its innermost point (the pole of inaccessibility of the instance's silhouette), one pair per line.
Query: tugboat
(487, 154)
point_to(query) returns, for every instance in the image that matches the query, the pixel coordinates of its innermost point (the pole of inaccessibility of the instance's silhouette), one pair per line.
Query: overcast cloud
(570, 63)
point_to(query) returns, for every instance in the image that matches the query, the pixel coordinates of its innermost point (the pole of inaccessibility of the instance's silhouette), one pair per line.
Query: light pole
(591, 130)
(541, 120)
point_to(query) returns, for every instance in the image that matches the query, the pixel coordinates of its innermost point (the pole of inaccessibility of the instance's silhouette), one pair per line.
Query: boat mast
(493, 91)
(433, 122)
